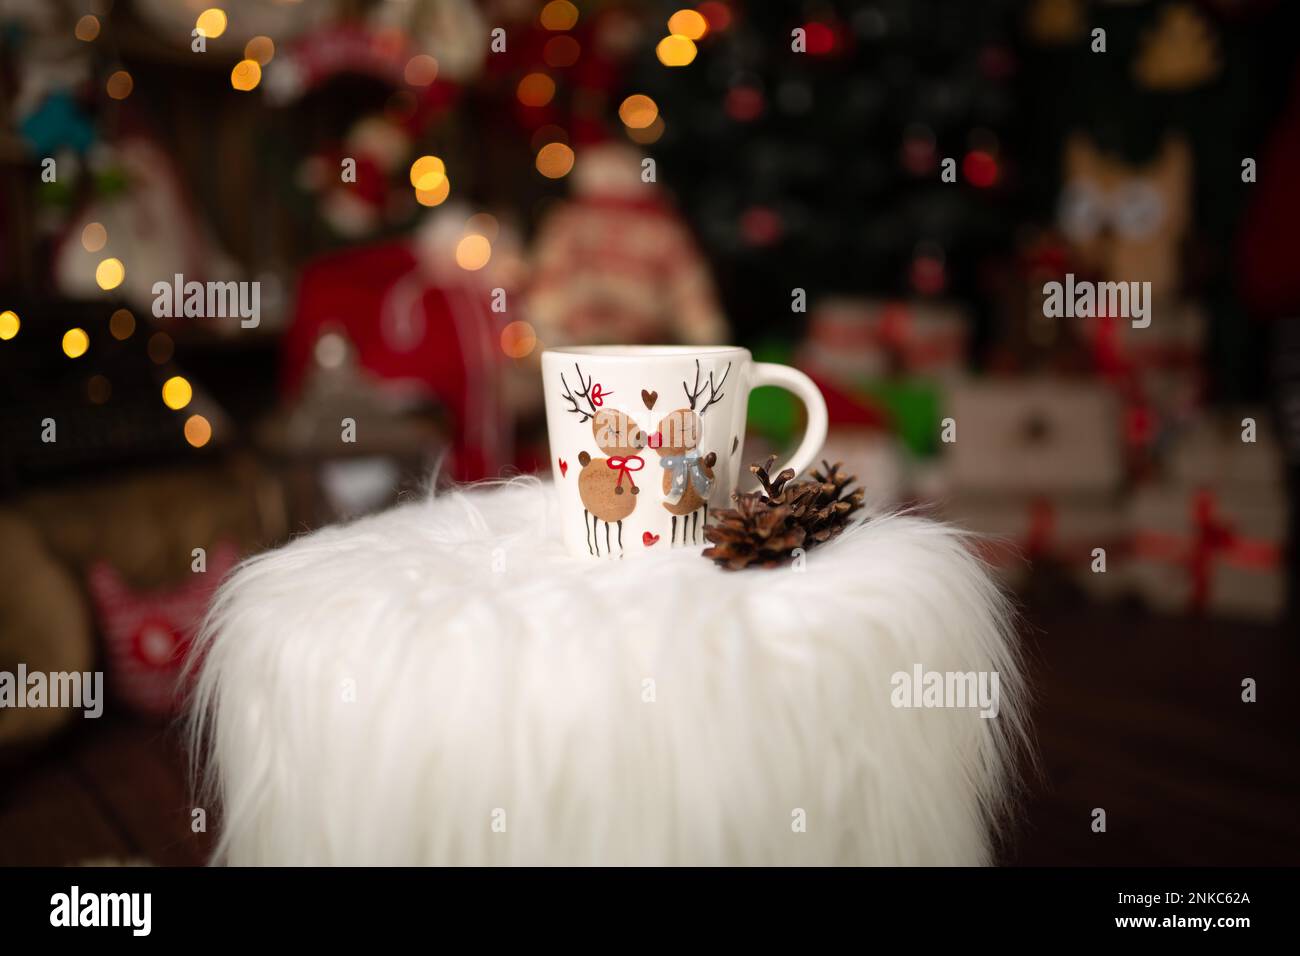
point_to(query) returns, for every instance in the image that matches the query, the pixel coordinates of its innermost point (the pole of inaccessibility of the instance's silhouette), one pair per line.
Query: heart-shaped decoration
(564, 468)
(649, 398)
(649, 539)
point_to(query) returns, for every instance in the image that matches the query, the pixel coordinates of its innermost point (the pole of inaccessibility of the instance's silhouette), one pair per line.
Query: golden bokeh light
(98, 389)
(675, 50)
(246, 75)
(197, 431)
(483, 224)
(211, 22)
(638, 111)
(435, 196)
(75, 343)
(9, 324)
(120, 85)
(536, 89)
(559, 15)
(518, 340)
(260, 50)
(554, 160)
(93, 236)
(122, 325)
(177, 392)
(110, 273)
(87, 28)
(650, 134)
(473, 252)
(428, 173)
(421, 70)
(160, 348)
(689, 24)
(561, 51)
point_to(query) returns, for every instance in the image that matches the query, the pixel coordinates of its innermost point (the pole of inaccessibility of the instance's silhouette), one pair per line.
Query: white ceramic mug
(645, 440)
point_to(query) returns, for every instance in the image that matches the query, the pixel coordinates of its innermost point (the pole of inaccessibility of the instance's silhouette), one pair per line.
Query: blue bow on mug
(683, 467)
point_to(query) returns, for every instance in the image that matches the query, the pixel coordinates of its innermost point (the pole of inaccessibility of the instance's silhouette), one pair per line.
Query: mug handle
(795, 381)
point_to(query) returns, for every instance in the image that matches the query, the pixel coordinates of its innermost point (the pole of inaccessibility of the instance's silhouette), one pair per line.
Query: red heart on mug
(564, 467)
(649, 539)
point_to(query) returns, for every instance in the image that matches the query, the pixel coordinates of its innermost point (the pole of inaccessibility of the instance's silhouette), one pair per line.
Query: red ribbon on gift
(623, 466)
(1212, 539)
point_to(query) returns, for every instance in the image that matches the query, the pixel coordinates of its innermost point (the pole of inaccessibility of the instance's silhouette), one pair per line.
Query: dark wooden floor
(1141, 716)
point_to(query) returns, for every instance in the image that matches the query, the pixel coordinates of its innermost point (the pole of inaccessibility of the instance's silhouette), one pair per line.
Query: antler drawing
(584, 393)
(715, 392)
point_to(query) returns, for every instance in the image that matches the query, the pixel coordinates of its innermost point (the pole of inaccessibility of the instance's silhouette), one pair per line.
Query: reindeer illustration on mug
(688, 476)
(606, 485)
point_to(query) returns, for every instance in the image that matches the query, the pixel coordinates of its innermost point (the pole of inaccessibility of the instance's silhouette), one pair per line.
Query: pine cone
(766, 526)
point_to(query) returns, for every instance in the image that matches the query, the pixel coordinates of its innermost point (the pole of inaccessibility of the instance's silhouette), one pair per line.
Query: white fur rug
(440, 684)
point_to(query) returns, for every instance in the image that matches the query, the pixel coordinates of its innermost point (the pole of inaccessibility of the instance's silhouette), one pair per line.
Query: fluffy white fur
(494, 673)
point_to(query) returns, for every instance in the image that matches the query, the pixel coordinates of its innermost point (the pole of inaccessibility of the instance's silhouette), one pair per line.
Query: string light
(559, 15)
(110, 273)
(75, 343)
(554, 160)
(688, 23)
(473, 252)
(119, 85)
(518, 340)
(536, 89)
(428, 173)
(160, 348)
(561, 51)
(675, 50)
(211, 22)
(198, 432)
(121, 325)
(484, 224)
(638, 111)
(435, 196)
(246, 75)
(9, 324)
(177, 392)
(421, 70)
(93, 237)
(87, 28)
(260, 49)
(651, 134)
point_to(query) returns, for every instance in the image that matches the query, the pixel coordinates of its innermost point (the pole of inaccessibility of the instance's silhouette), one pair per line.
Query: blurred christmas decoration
(1180, 53)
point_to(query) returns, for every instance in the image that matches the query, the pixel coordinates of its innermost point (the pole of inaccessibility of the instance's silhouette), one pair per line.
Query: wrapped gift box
(1043, 436)
(1197, 550)
(1016, 532)
(852, 340)
(1211, 453)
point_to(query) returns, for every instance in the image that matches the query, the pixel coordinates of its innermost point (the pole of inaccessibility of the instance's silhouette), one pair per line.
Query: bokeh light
(473, 252)
(160, 348)
(561, 51)
(483, 224)
(650, 134)
(87, 28)
(428, 173)
(717, 13)
(554, 160)
(260, 49)
(675, 50)
(98, 389)
(93, 236)
(122, 325)
(435, 196)
(688, 23)
(197, 431)
(246, 75)
(638, 111)
(536, 89)
(211, 22)
(110, 273)
(177, 392)
(518, 340)
(9, 324)
(119, 85)
(559, 15)
(75, 343)
(421, 70)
